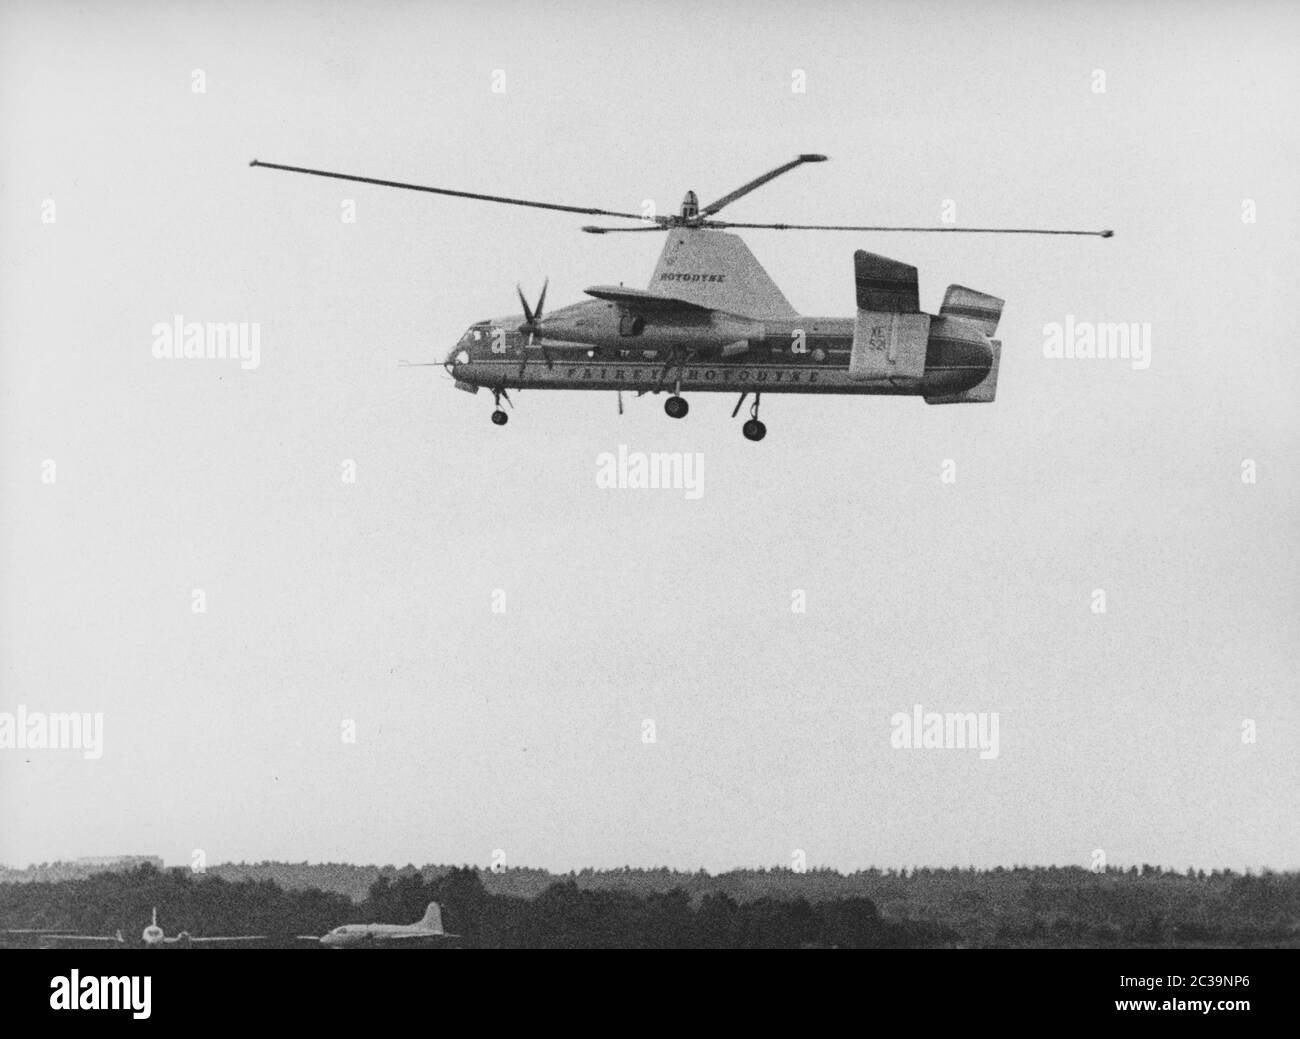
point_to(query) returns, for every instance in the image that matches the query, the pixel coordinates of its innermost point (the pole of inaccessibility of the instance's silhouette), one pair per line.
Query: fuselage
(599, 346)
(375, 934)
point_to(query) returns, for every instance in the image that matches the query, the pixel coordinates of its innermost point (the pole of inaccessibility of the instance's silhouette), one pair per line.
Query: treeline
(1021, 906)
(106, 902)
(565, 915)
(78, 869)
(562, 916)
(1146, 905)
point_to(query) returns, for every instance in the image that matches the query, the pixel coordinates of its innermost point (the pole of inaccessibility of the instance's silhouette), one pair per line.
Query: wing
(228, 940)
(647, 301)
(55, 941)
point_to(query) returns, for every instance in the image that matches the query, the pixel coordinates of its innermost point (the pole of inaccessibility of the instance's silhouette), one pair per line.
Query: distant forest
(633, 908)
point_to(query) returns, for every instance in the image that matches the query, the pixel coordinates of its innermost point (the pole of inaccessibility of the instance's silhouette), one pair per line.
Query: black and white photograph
(666, 476)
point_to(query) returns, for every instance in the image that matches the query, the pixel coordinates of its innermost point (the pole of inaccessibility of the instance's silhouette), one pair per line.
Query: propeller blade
(758, 182)
(541, 300)
(916, 230)
(447, 191)
(528, 314)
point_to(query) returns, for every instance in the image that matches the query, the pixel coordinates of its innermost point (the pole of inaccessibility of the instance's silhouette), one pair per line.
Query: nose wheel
(753, 429)
(499, 417)
(676, 406)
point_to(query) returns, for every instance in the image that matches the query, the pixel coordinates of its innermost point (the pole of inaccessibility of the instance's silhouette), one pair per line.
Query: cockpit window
(477, 335)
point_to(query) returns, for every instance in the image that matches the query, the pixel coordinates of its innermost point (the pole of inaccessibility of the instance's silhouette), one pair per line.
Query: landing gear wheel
(500, 418)
(676, 406)
(754, 430)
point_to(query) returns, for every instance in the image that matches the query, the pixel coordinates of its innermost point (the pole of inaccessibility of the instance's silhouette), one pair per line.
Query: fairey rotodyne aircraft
(426, 931)
(712, 320)
(152, 937)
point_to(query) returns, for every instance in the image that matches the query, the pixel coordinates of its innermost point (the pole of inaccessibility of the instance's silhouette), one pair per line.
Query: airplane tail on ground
(432, 920)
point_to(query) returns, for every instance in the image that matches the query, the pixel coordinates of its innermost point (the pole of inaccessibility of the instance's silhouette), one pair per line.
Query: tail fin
(885, 285)
(983, 309)
(432, 920)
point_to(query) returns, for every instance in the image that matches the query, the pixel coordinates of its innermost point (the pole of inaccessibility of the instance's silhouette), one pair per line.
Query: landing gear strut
(499, 417)
(753, 429)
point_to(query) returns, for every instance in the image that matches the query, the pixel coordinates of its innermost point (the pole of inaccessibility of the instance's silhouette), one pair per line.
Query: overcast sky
(328, 601)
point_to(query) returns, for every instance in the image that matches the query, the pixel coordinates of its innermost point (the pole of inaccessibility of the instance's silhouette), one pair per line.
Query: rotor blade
(758, 182)
(916, 230)
(592, 229)
(448, 191)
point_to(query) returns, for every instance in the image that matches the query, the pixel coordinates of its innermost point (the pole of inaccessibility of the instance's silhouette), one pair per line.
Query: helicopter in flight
(713, 321)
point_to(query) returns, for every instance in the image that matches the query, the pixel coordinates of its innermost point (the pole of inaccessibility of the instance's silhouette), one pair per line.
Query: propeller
(531, 325)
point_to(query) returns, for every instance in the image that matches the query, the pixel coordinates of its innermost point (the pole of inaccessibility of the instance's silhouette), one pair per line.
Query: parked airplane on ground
(428, 930)
(152, 937)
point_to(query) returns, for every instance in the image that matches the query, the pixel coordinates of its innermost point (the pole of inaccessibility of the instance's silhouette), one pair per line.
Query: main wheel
(500, 418)
(676, 406)
(754, 430)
